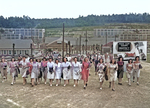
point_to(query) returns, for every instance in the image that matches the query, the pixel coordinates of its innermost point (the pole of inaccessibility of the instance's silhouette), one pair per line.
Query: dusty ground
(44, 96)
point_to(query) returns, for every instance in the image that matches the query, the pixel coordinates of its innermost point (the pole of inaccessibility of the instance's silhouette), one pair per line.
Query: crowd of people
(67, 68)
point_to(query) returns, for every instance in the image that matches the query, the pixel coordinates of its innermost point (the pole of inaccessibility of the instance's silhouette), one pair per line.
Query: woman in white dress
(40, 71)
(50, 68)
(24, 69)
(57, 70)
(13, 70)
(100, 70)
(76, 66)
(129, 68)
(66, 69)
(113, 67)
(34, 72)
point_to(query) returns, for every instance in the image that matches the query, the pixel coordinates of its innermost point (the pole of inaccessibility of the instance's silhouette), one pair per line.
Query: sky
(71, 8)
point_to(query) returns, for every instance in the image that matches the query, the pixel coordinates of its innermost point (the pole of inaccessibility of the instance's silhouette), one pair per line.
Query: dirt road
(44, 96)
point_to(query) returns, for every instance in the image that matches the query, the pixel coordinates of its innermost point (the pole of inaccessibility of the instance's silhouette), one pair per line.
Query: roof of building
(109, 44)
(19, 43)
(58, 40)
(73, 41)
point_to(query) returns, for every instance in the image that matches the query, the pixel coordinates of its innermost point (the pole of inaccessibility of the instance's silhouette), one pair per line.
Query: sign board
(124, 46)
(130, 49)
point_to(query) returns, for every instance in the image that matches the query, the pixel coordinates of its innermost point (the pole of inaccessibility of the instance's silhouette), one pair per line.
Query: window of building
(40, 35)
(9, 52)
(26, 52)
(20, 52)
(4, 52)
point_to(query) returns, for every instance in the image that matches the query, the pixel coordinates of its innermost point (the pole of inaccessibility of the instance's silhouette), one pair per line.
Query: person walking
(76, 67)
(50, 69)
(85, 71)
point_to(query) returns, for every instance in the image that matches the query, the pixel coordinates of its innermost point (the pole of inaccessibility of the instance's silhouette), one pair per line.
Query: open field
(44, 96)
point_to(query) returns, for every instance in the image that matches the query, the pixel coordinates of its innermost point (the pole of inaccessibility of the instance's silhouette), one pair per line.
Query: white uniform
(24, 68)
(57, 69)
(27, 59)
(34, 72)
(50, 75)
(76, 70)
(66, 71)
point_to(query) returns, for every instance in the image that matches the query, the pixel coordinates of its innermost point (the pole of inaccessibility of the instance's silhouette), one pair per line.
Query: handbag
(104, 68)
(18, 69)
(51, 70)
(140, 66)
(68, 67)
(27, 73)
(5, 67)
(61, 75)
(40, 74)
(106, 77)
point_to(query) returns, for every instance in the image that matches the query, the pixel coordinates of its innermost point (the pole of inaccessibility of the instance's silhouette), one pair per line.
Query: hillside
(90, 20)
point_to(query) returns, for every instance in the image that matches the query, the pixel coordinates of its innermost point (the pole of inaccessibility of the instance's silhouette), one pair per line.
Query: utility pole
(93, 47)
(66, 49)
(86, 42)
(106, 36)
(83, 48)
(31, 49)
(77, 46)
(80, 45)
(32, 37)
(69, 47)
(101, 48)
(63, 41)
(13, 49)
(72, 49)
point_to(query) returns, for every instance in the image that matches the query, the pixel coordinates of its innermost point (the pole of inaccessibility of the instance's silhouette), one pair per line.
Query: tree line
(90, 20)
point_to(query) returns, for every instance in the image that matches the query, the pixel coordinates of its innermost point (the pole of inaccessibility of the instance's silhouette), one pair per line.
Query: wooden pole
(106, 36)
(83, 48)
(69, 46)
(72, 49)
(101, 48)
(66, 48)
(77, 46)
(86, 42)
(13, 49)
(63, 42)
(31, 49)
(80, 45)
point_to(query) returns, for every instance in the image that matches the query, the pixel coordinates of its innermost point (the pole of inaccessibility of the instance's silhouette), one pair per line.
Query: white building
(114, 32)
(21, 33)
(21, 47)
